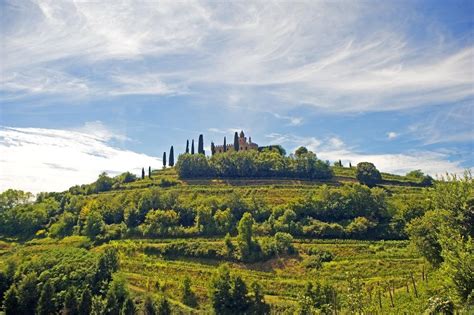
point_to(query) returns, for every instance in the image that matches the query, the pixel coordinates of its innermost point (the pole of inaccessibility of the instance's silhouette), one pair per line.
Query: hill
(154, 233)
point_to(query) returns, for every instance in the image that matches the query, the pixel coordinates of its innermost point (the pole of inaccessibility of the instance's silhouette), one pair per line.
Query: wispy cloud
(36, 159)
(334, 149)
(282, 50)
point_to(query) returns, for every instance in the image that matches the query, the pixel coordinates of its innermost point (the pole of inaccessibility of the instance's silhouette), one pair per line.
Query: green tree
(94, 225)
(188, 297)
(98, 305)
(240, 301)
(160, 222)
(64, 226)
(70, 302)
(424, 232)
(236, 142)
(112, 303)
(143, 173)
(367, 174)
(28, 293)
(229, 247)
(245, 232)
(192, 146)
(219, 291)
(85, 303)
(11, 302)
(46, 305)
(187, 146)
(149, 307)
(171, 158)
(163, 306)
(259, 306)
(149, 172)
(213, 148)
(205, 221)
(201, 144)
(283, 243)
(128, 308)
(108, 264)
(164, 159)
(225, 145)
(300, 151)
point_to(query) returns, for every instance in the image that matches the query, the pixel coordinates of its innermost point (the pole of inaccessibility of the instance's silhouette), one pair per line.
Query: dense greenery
(247, 164)
(126, 246)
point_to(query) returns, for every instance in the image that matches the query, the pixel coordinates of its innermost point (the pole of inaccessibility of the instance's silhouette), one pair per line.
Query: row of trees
(354, 211)
(269, 163)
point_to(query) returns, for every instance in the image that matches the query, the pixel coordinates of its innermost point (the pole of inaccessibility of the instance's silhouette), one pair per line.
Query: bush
(367, 174)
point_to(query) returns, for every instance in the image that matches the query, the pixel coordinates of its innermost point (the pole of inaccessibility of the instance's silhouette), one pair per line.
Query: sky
(93, 86)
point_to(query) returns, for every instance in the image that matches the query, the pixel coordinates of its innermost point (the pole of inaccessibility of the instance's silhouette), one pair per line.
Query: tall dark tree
(129, 307)
(236, 142)
(70, 303)
(10, 301)
(213, 148)
(149, 171)
(192, 146)
(46, 301)
(143, 173)
(164, 159)
(225, 145)
(85, 304)
(187, 146)
(171, 157)
(28, 293)
(201, 144)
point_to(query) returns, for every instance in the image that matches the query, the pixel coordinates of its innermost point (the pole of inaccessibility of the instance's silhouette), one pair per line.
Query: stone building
(243, 145)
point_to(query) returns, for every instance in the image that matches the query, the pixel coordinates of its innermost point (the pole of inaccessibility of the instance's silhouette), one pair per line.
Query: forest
(242, 233)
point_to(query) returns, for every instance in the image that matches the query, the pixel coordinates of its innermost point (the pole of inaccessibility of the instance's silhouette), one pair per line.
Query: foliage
(367, 174)
(188, 297)
(316, 298)
(252, 163)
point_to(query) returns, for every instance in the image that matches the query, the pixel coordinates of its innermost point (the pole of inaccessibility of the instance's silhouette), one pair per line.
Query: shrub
(367, 174)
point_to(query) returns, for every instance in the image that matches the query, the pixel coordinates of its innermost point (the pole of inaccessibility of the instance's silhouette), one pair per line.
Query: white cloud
(35, 159)
(310, 52)
(334, 149)
(392, 135)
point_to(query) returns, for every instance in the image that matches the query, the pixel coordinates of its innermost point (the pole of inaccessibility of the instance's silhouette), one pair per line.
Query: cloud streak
(36, 159)
(334, 149)
(311, 53)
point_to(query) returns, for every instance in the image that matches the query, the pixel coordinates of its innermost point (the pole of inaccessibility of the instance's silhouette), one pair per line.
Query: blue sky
(108, 86)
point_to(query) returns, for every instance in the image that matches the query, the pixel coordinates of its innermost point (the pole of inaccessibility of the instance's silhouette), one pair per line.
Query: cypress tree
(164, 159)
(163, 306)
(143, 173)
(187, 146)
(213, 148)
(201, 144)
(149, 307)
(149, 171)
(85, 305)
(192, 146)
(236, 142)
(45, 303)
(129, 307)
(10, 301)
(28, 293)
(225, 145)
(171, 157)
(70, 303)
